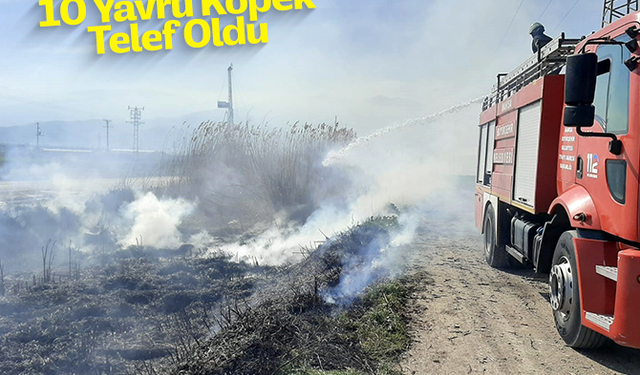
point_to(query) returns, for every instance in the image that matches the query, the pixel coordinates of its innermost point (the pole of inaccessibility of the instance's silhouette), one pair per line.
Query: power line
(239, 90)
(511, 23)
(221, 92)
(545, 9)
(566, 15)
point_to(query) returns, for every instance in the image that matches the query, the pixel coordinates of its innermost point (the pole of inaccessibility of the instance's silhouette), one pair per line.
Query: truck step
(608, 272)
(604, 321)
(515, 253)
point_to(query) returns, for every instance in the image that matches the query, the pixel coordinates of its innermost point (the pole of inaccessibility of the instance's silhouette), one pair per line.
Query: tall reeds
(243, 170)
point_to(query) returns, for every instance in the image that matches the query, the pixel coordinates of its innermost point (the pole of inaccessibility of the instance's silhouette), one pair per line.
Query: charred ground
(206, 315)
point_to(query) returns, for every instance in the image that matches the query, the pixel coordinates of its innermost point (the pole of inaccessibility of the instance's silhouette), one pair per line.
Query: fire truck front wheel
(494, 252)
(565, 297)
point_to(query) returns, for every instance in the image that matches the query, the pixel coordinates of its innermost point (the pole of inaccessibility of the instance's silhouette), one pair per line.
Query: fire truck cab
(558, 179)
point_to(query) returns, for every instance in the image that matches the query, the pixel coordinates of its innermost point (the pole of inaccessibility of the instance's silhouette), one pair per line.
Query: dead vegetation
(127, 312)
(139, 310)
(250, 173)
(304, 334)
(206, 315)
(47, 260)
(288, 328)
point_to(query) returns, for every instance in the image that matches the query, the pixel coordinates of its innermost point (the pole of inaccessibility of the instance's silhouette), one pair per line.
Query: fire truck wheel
(565, 297)
(494, 253)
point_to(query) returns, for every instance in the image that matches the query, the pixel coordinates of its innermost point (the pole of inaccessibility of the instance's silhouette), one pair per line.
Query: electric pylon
(136, 116)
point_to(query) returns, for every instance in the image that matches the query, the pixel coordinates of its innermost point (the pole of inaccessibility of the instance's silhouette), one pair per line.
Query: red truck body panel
(600, 295)
(575, 175)
(618, 219)
(550, 91)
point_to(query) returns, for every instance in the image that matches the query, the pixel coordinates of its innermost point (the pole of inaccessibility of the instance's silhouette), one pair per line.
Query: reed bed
(247, 172)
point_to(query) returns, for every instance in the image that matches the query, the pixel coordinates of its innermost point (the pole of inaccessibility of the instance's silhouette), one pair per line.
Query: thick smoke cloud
(155, 222)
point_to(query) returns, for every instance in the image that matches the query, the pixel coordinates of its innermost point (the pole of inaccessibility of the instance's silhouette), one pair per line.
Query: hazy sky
(367, 61)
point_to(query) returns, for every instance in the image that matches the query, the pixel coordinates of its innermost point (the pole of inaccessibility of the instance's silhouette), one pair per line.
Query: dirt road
(470, 319)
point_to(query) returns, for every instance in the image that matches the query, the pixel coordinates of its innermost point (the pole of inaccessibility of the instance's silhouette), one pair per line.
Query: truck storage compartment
(526, 171)
(525, 149)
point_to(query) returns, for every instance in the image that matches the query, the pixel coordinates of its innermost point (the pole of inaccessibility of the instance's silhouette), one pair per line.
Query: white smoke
(376, 261)
(155, 222)
(285, 243)
(393, 170)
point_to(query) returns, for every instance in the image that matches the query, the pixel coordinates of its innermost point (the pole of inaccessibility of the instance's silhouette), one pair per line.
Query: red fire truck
(558, 179)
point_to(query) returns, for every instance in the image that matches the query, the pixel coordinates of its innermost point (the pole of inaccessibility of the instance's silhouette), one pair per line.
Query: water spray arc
(337, 155)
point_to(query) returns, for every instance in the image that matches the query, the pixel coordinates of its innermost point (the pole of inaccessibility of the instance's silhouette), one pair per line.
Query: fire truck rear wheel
(565, 297)
(494, 253)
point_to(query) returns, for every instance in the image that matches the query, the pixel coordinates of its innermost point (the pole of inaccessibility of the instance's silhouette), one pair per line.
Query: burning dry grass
(290, 329)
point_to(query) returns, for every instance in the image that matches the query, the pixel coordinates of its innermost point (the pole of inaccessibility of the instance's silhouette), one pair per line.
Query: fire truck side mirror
(580, 89)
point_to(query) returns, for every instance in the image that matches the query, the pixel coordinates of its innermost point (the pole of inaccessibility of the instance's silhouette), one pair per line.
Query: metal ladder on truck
(550, 59)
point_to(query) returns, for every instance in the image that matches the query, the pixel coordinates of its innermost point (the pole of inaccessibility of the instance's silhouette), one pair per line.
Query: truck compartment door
(524, 190)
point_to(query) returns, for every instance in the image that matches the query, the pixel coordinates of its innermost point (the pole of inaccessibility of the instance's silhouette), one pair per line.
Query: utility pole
(107, 127)
(136, 116)
(230, 71)
(229, 104)
(614, 9)
(39, 134)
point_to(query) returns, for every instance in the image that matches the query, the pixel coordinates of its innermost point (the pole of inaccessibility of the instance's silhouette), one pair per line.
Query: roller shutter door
(482, 153)
(527, 154)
